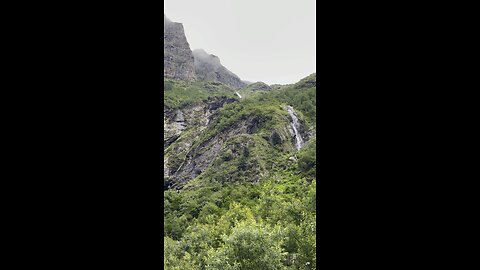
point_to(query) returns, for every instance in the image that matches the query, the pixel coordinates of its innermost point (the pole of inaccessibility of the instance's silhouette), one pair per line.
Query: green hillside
(239, 194)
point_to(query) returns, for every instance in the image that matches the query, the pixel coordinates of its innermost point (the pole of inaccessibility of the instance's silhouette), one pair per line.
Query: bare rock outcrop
(178, 61)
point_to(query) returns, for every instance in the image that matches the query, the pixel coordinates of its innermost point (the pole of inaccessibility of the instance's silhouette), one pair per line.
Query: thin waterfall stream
(295, 125)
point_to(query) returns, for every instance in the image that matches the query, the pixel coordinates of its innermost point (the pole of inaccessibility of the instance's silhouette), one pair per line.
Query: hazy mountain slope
(209, 68)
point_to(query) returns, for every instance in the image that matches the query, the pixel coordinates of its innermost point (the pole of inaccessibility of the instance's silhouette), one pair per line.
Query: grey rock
(193, 118)
(179, 116)
(181, 63)
(178, 62)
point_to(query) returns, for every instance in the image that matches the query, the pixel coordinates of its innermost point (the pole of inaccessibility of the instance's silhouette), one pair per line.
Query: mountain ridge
(181, 63)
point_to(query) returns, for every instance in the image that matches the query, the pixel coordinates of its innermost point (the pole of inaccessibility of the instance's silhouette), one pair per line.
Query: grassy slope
(205, 222)
(179, 93)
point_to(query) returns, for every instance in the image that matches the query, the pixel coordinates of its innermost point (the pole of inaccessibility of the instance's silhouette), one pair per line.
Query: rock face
(178, 61)
(179, 165)
(209, 68)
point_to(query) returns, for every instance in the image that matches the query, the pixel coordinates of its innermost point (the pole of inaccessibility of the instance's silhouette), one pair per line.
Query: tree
(307, 159)
(174, 257)
(250, 246)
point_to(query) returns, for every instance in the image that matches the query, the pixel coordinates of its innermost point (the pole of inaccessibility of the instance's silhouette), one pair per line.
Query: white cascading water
(238, 94)
(295, 126)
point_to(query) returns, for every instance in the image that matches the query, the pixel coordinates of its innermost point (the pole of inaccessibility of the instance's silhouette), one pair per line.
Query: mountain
(239, 176)
(178, 61)
(181, 63)
(209, 68)
(208, 131)
(239, 166)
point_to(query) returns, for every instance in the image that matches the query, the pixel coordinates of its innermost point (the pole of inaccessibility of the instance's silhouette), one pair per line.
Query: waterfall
(295, 126)
(238, 94)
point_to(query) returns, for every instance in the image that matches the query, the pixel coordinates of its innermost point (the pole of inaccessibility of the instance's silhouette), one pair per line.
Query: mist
(203, 56)
(165, 19)
(270, 40)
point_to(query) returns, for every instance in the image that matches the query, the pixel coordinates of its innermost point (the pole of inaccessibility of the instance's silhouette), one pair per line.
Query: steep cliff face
(178, 61)
(182, 127)
(209, 68)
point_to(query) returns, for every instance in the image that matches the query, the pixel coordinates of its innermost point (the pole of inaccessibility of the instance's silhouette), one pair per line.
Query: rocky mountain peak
(181, 63)
(178, 62)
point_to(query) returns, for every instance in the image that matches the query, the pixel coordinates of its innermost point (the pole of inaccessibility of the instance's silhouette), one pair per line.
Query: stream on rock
(295, 125)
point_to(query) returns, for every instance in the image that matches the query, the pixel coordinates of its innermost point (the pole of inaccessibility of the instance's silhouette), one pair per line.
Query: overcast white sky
(259, 40)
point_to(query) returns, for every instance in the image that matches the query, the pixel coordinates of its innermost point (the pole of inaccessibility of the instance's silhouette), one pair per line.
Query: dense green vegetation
(270, 225)
(223, 219)
(302, 96)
